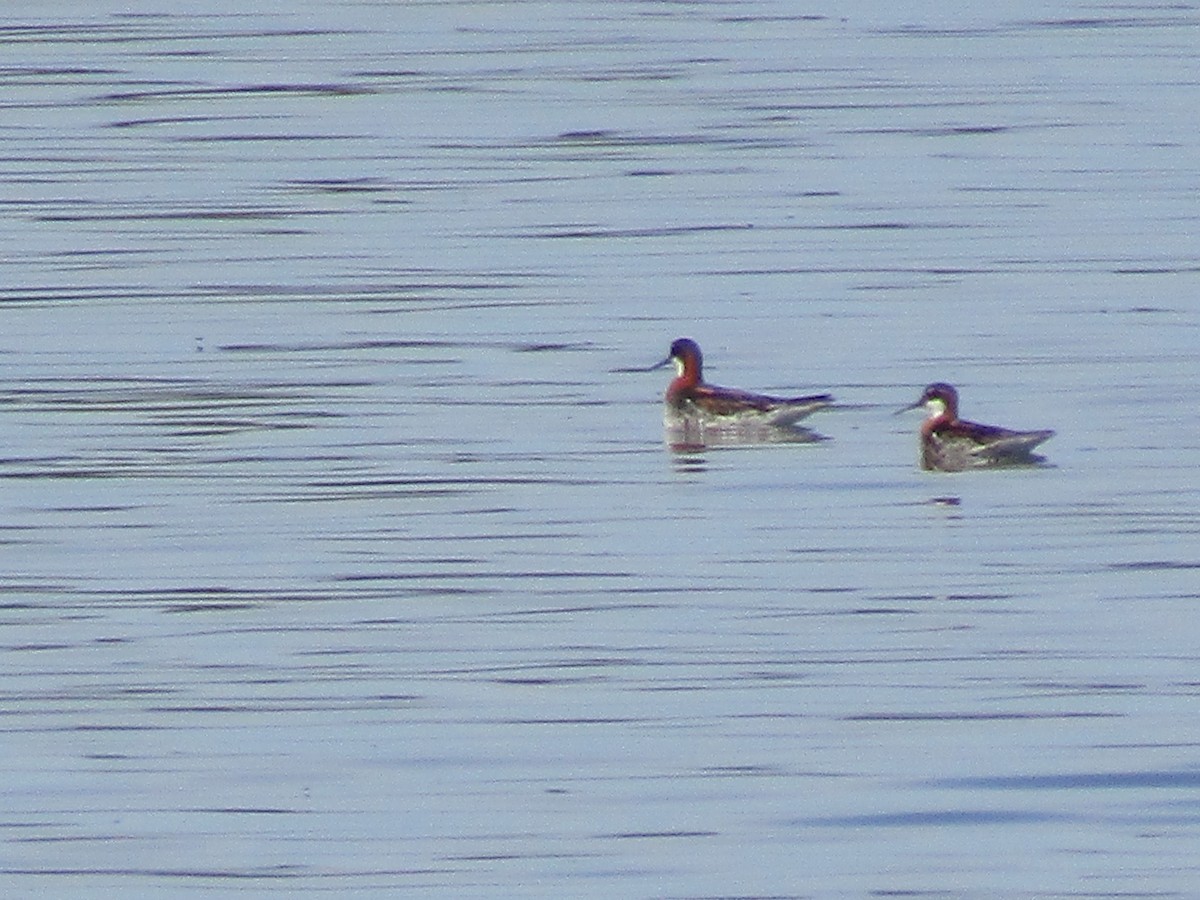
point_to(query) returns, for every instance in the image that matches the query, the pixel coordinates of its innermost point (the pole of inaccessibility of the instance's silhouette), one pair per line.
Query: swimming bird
(690, 399)
(951, 444)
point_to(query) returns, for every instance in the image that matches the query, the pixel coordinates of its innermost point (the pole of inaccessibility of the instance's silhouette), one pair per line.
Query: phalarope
(950, 444)
(689, 398)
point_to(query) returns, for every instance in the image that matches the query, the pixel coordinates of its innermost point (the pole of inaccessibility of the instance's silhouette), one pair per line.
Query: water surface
(340, 555)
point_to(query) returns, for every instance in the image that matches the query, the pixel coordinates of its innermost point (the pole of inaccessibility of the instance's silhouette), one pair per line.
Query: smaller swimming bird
(951, 444)
(690, 399)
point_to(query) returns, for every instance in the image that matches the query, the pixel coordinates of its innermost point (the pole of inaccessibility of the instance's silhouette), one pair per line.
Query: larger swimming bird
(951, 444)
(690, 399)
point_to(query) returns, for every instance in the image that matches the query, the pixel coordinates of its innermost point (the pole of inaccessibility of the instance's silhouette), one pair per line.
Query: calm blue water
(341, 554)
